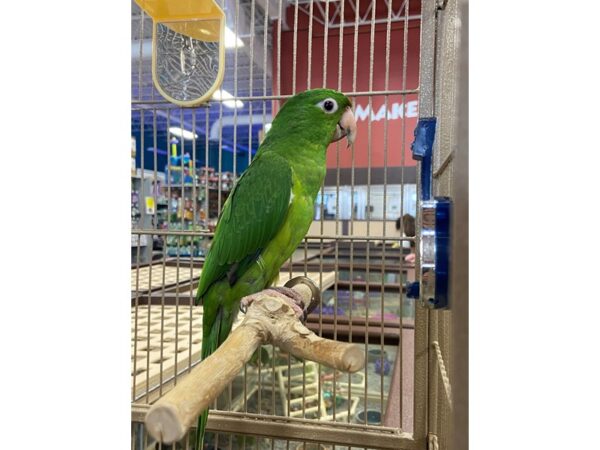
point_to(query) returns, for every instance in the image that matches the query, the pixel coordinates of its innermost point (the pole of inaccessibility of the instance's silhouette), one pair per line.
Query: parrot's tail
(202, 419)
(217, 335)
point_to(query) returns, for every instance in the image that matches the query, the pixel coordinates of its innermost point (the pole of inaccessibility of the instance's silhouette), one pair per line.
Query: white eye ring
(329, 105)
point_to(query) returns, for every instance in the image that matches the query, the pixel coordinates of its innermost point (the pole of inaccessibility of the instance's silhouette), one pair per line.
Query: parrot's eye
(328, 105)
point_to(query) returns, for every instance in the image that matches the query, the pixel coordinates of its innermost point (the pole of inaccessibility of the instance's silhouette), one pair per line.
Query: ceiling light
(227, 98)
(231, 39)
(180, 132)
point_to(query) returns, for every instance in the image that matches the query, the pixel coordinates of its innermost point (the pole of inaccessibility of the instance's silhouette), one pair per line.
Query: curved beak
(346, 127)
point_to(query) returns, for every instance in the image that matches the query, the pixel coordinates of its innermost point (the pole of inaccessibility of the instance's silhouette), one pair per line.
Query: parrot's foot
(289, 295)
(297, 301)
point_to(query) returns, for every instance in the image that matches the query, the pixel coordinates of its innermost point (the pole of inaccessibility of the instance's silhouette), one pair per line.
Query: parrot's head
(322, 115)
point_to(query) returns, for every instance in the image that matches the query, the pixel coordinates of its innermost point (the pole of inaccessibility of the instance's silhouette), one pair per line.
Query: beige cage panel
(156, 276)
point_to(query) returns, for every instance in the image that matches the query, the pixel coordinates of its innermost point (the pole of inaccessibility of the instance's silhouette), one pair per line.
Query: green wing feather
(251, 216)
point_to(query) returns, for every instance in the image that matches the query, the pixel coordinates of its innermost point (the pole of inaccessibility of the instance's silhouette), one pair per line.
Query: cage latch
(435, 214)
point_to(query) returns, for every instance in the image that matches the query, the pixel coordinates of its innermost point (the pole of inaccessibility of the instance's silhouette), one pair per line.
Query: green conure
(270, 210)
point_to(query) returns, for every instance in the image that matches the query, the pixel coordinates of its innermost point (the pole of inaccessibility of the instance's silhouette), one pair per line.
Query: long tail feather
(209, 345)
(202, 419)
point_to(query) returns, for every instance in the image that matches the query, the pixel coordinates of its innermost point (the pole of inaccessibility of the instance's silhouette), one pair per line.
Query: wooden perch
(271, 318)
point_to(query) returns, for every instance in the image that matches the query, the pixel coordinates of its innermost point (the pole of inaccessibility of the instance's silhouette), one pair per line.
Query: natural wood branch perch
(271, 318)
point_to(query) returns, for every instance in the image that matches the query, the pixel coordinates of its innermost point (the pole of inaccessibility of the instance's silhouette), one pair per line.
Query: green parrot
(269, 211)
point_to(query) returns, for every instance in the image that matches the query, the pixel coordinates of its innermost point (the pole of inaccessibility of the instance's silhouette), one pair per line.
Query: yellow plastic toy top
(185, 32)
(199, 19)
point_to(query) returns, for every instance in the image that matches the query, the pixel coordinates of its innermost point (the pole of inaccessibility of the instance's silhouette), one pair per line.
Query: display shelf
(140, 218)
(192, 203)
(189, 206)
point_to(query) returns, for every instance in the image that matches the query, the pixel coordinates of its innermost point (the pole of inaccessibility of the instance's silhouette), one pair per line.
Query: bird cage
(398, 61)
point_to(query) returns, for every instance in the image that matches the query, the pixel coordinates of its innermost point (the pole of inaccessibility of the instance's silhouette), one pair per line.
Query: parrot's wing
(251, 216)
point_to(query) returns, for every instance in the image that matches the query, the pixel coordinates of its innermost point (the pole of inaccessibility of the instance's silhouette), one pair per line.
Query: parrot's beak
(346, 127)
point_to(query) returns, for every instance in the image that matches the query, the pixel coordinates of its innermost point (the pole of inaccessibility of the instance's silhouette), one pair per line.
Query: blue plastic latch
(412, 290)
(422, 149)
(422, 146)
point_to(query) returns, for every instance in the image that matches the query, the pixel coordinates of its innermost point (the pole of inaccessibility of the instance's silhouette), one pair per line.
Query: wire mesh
(353, 251)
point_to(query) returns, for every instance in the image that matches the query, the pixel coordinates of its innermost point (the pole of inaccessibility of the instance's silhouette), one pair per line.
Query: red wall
(395, 102)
